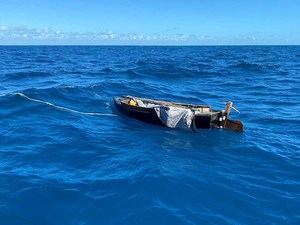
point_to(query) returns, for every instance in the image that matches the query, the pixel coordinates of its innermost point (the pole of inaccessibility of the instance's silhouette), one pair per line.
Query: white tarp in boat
(175, 117)
(146, 105)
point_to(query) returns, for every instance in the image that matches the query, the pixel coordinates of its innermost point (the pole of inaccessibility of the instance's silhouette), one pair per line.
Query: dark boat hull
(149, 115)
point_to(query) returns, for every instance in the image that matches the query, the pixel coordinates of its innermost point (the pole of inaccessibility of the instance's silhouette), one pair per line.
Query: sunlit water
(60, 166)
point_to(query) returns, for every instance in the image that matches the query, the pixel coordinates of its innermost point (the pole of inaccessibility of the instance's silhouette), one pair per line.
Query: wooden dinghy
(203, 117)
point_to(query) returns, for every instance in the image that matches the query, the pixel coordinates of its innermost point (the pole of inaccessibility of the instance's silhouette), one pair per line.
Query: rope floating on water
(64, 108)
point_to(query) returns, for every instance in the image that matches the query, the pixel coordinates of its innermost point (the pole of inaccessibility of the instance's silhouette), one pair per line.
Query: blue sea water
(66, 167)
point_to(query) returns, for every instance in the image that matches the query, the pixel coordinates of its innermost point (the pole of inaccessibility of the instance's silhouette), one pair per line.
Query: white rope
(235, 109)
(64, 108)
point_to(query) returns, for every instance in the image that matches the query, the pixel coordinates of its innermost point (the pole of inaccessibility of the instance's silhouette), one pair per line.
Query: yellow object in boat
(132, 102)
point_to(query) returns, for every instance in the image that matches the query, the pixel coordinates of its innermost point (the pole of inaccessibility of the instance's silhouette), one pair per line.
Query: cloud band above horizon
(23, 35)
(20, 35)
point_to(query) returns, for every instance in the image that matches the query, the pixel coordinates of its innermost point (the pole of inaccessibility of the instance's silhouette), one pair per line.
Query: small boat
(177, 115)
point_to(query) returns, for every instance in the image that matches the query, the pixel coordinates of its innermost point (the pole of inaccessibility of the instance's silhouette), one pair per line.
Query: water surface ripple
(62, 167)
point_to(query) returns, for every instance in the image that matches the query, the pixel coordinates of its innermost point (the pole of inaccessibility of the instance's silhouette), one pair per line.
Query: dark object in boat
(204, 116)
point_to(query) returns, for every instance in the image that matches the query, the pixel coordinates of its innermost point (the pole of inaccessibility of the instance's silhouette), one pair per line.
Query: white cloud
(48, 35)
(3, 28)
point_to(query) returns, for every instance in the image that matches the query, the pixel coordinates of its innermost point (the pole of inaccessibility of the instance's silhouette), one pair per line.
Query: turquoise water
(62, 166)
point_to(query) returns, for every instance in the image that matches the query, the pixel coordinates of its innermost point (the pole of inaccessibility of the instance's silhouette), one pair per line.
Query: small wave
(164, 71)
(254, 67)
(141, 62)
(25, 75)
(167, 73)
(131, 72)
(107, 70)
(43, 61)
(276, 121)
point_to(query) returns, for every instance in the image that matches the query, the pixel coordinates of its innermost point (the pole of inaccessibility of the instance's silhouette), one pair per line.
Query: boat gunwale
(167, 103)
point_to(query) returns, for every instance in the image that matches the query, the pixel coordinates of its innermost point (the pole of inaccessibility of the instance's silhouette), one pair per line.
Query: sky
(150, 22)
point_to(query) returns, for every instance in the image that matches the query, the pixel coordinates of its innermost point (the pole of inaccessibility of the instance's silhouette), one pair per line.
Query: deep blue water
(62, 167)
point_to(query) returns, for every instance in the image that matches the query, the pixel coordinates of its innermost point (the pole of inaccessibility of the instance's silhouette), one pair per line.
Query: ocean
(68, 157)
